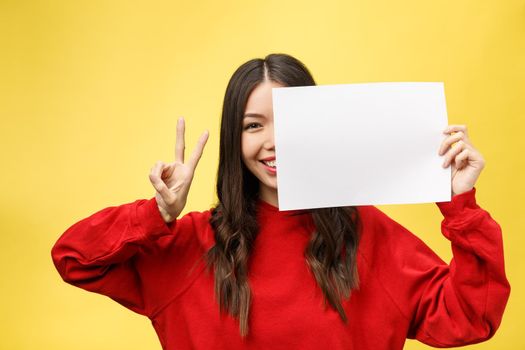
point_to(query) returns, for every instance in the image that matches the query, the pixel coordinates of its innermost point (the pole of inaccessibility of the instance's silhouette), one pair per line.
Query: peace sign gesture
(172, 180)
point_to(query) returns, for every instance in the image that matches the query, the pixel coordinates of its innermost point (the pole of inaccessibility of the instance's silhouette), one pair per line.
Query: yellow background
(90, 92)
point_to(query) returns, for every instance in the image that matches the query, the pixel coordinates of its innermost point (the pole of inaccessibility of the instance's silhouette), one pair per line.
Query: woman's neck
(269, 195)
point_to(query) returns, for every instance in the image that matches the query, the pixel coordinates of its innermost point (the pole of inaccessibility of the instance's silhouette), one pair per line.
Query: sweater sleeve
(119, 251)
(463, 302)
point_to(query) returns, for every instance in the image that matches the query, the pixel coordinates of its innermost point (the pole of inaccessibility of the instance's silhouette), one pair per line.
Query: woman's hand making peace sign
(466, 161)
(172, 180)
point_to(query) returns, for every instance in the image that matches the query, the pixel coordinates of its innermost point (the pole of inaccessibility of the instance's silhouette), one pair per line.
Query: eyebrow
(253, 115)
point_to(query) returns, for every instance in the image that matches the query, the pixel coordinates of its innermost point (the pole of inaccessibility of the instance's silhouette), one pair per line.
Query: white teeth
(270, 163)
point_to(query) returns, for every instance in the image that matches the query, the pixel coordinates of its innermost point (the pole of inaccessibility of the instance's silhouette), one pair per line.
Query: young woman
(244, 275)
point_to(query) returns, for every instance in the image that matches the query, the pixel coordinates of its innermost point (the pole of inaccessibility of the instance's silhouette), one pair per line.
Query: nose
(269, 142)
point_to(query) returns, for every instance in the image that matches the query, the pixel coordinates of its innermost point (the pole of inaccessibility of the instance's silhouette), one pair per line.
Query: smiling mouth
(269, 163)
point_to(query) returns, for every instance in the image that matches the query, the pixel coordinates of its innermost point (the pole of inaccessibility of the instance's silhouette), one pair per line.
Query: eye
(251, 126)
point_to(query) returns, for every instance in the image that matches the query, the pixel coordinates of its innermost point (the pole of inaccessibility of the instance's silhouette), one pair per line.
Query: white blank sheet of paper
(360, 144)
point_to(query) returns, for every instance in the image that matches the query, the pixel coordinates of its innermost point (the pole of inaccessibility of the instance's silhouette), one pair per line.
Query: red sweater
(129, 254)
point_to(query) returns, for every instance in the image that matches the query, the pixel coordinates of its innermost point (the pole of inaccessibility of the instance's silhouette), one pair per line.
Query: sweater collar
(264, 206)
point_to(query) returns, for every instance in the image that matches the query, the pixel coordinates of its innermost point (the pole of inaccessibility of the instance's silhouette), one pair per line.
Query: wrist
(461, 191)
(165, 216)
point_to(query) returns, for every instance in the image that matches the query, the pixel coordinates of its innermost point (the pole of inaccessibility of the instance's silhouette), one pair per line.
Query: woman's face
(257, 141)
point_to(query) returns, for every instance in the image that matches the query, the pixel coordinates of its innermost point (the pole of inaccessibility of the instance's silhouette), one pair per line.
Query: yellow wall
(90, 92)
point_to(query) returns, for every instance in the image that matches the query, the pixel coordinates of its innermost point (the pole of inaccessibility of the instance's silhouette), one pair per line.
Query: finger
(197, 152)
(462, 159)
(453, 152)
(162, 189)
(449, 141)
(156, 171)
(157, 168)
(179, 143)
(168, 171)
(455, 128)
(159, 185)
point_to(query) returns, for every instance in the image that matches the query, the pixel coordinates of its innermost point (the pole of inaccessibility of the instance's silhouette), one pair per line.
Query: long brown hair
(331, 252)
